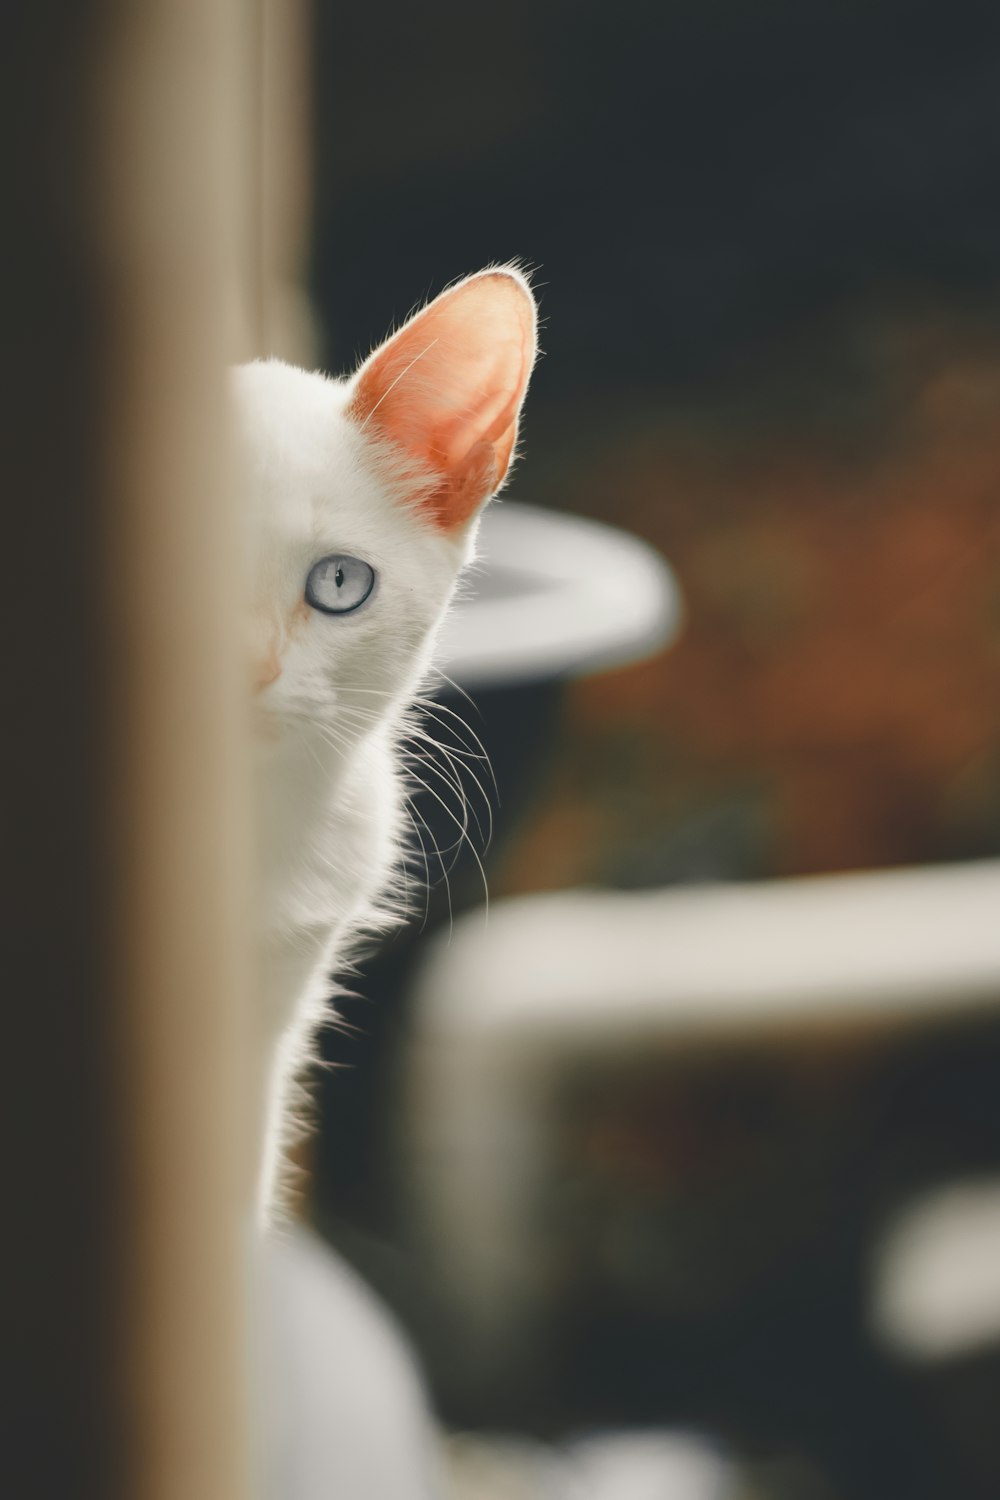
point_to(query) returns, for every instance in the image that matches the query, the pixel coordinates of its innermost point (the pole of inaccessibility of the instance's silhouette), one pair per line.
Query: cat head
(364, 497)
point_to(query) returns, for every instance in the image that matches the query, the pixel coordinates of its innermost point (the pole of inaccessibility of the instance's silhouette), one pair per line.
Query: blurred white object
(936, 1292)
(341, 1410)
(554, 595)
(649, 1465)
(508, 1007)
(842, 948)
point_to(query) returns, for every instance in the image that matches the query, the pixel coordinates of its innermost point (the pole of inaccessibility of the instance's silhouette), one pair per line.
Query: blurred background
(766, 241)
(680, 1166)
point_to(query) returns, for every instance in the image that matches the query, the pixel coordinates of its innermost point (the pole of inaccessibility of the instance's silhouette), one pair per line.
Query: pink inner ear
(448, 389)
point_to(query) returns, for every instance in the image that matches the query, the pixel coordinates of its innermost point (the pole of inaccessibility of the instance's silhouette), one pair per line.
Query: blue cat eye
(338, 584)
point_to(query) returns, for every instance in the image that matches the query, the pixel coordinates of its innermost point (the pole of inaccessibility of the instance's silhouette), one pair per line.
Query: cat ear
(448, 389)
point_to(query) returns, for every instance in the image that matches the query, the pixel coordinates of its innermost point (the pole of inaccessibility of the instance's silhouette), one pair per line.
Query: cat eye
(338, 584)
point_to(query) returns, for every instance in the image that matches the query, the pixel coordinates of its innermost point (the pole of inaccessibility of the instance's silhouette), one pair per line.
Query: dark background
(766, 240)
(767, 243)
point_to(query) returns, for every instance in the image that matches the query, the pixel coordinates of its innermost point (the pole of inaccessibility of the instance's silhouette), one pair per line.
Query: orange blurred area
(832, 694)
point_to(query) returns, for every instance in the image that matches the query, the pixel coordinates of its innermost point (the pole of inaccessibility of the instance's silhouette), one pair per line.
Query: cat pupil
(339, 577)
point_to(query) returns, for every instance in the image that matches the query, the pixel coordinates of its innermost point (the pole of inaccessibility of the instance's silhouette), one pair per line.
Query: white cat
(364, 498)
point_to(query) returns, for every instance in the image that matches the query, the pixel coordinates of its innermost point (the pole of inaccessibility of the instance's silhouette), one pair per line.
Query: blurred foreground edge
(123, 1289)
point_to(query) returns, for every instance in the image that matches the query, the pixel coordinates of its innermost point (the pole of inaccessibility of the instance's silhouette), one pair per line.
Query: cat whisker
(449, 774)
(434, 709)
(452, 776)
(451, 683)
(453, 781)
(445, 869)
(463, 831)
(413, 816)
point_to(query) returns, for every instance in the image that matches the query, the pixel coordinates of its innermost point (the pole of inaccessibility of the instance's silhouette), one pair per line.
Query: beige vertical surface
(282, 203)
(123, 1159)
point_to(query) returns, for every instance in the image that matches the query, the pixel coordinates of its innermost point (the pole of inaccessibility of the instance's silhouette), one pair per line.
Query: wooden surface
(121, 1343)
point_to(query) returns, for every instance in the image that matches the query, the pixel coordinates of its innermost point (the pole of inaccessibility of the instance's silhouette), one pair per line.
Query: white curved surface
(937, 1274)
(507, 1009)
(893, 945)
(553, 595)
(341, 1410)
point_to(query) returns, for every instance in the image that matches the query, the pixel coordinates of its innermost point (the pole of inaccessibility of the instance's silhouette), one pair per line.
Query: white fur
(328, 796)
(328, 788)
